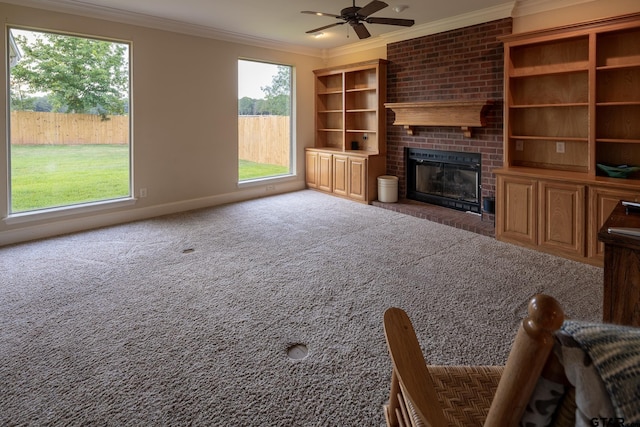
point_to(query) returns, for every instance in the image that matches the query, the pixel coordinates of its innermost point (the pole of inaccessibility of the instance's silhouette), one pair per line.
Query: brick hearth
(442, 215)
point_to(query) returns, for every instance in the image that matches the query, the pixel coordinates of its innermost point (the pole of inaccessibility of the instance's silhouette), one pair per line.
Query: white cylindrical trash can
(388, 189)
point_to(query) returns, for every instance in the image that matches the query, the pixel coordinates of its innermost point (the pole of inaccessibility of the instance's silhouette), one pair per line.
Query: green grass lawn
(46, 176)
(250, 170)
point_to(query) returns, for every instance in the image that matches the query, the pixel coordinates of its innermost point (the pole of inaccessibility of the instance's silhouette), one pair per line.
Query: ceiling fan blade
(391, 21)
(323, 28)
(372, 8)
(361, 30)
(310, 12)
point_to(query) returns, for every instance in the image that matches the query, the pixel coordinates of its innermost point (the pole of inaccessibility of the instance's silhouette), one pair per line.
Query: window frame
(54, 212)
(292, 136)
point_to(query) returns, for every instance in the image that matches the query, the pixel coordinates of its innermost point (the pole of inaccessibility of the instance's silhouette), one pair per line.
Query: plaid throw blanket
(615, 353)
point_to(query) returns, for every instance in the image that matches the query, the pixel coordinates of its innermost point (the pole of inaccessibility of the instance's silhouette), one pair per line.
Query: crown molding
(460, 21)
(132, 18)
(531, 7)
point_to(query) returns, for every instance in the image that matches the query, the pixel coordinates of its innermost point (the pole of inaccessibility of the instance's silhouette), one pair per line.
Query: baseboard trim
(26, 232)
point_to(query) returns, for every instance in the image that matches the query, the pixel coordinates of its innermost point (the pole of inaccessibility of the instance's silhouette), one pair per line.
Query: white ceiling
(280, 23)
(281, 20)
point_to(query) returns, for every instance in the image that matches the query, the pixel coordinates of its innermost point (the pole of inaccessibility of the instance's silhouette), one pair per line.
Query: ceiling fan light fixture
(318, 35)
(399, 8)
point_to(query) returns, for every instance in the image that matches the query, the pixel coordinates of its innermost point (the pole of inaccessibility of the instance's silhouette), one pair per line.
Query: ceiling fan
(355, 16)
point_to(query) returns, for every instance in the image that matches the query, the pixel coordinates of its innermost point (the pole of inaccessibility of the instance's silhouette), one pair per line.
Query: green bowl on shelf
(622, 171)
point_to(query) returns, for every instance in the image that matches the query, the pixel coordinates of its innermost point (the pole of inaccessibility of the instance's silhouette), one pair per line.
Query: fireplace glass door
(445, 178)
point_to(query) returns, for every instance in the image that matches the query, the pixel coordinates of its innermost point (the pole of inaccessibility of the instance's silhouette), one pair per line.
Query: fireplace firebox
(445, 178)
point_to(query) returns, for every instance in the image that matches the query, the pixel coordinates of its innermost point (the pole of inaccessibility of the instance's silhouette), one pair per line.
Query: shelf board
(466, 114)
(618, 140)
(362, 110)
(620, 66)
(548, 138)
(330, 111)
(552, 166)
(331, 92)
(568, 104)
(360, 89)
(575, 67)
(361, 130)
(330, 130)
(617, 103)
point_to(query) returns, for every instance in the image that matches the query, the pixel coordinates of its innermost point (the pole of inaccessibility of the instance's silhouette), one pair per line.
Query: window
(264, 120)
(69, 139)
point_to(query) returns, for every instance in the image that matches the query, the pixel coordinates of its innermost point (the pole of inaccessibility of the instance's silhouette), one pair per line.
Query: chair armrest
(410, 367)
(528, 356)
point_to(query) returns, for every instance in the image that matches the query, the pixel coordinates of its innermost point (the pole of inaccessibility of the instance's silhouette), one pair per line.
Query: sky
(252, 75)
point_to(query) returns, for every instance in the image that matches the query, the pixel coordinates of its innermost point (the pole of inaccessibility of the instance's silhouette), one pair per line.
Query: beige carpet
(186, 319)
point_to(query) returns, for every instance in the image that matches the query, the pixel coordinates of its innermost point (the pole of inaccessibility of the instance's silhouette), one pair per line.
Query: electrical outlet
(143, 193)
(365, 136)
(559, 147)
(519, 145)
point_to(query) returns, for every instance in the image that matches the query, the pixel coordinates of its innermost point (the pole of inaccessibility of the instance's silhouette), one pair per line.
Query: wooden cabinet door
(325, 175)
(311, 169)
(561, 220)
(357, 178)
(340, 174)
(516, 210)
(601, 203)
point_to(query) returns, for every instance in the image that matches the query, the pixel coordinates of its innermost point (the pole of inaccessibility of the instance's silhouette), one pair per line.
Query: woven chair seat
(465, 392)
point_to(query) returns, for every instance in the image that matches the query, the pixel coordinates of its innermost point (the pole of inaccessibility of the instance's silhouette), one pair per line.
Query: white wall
(184, 92)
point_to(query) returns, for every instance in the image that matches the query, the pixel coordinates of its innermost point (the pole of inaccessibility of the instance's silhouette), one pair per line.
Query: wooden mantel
(466, 114)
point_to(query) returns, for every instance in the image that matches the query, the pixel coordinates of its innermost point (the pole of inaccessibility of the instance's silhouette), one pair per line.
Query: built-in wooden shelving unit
(572, 103)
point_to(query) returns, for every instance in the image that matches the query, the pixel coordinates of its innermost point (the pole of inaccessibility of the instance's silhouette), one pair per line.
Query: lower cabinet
(345, 174)
(357, 188)
(319, 170)
(539, 213)
(311, 171)
(556, 215)
(325, 172)
(516, 210)
(561, 220)
(340, 175)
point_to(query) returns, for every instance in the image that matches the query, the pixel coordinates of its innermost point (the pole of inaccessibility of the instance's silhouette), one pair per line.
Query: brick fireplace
(462, 64)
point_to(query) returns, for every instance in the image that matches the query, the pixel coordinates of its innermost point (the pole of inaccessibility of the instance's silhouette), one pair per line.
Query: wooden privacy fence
(264, 139)
(261, 139)
(40, 128)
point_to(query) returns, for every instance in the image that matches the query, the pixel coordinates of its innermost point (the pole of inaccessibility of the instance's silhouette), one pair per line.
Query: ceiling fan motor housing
(350, 13)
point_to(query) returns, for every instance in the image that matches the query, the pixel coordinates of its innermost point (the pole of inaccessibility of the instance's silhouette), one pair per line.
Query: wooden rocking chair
(468, 395)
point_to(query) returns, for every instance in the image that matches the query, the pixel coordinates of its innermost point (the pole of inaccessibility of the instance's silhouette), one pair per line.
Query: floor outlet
(143, 193)
(559, 147)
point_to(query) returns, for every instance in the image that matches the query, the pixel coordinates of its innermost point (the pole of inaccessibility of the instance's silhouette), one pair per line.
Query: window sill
(266, 181)
(61, 212)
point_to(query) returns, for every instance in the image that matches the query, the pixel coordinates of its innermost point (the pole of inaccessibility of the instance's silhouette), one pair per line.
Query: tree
(80, 74)
(278, 95)
(246, 106)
